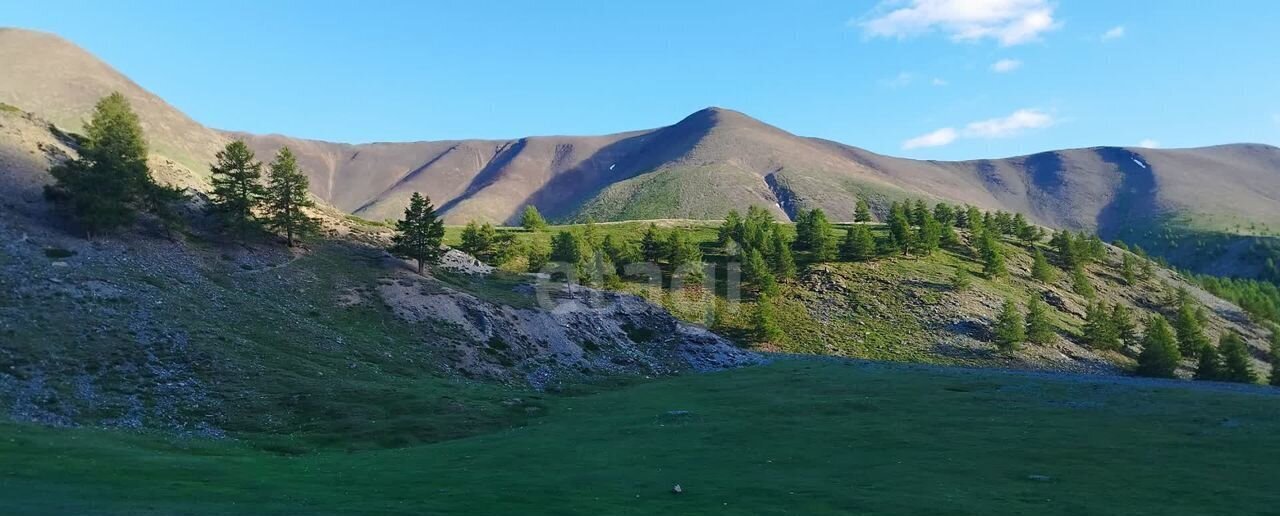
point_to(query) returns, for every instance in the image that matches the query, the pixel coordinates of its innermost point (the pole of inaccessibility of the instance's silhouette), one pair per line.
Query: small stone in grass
(677, 489)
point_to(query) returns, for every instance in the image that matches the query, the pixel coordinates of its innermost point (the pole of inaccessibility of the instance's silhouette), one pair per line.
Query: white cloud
(1148, 143)
(938, 82)
(1006, 65)
(902, 80)
(1116, 32)
(1010, 22)
(1005, 127)
(1011, 125)
(937, 138)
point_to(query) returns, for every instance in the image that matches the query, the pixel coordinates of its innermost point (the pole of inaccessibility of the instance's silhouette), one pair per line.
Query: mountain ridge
(705, 164)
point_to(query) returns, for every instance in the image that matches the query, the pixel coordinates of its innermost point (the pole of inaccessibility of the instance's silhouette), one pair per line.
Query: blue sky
(939, 79)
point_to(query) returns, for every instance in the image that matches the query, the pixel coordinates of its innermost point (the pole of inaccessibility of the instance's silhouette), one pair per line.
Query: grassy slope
(894, 308)
(191, 339)
(800, 437)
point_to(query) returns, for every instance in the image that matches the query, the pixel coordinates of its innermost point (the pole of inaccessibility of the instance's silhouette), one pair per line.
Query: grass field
(793, 437)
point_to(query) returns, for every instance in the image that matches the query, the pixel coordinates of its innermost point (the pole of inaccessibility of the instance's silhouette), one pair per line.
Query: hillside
(709, 162)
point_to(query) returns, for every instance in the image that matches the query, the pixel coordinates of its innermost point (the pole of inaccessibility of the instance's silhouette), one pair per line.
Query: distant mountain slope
(710, 162)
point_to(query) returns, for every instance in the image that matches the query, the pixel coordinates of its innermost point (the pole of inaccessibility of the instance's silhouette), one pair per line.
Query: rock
(676, 489)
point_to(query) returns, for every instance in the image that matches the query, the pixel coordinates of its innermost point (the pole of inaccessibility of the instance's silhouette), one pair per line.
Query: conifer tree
(1041, 269)
(730, 230)
(532, 220)
(944, 214)
(900, 235)
(471, 241)
(862, 213)
(1039, 328)
(755, 270)
(804, 231)
(1129, 269)
(651, 245)
(821, 244)
(992, 255)
(537, 253)
(237, 188)
(918, 212)
(783, 263)
(419, 233)
(1009, 329)
(101, 187)
(961, 280)
(681, 250)
(1080, 282)
(1209, 367)
(1099, 329)
(1160, 355)
(287, 196)
(858, 244)
(1275, 356)
(764, 321)
(1235, 359)
(929, 238)
(1122, 321)
(1191, 337)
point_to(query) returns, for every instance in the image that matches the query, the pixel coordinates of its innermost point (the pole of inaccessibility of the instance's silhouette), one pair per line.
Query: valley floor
(798, 436)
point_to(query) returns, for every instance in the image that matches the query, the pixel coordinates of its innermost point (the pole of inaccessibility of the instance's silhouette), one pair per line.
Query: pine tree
(537, 253)
(1009, 329)
(681, 250)
(102, 186)
(804, 231)
(1191, 337)
(783, 263)
(992, 255)
(1039, 328)
(755, 270)
(1122, 321)
(591, 236)
(862, 213)
(651, 245)
(858, 244)
(961, 280)
(471, 241)
(1275, 356)
(929, 238)
(730, 230)
(1235, 359)
(945, 214)
(567, 248)
(1129, 269)
(821, 243)
(532, 220)
(764, 321)
(1041, 269)
(237, 190)
(918, 212)
(1099, 328)
(286, 198)
(1209, 367)
(900, 235)
(1080, 282)
(1160, 355)
(419, 233)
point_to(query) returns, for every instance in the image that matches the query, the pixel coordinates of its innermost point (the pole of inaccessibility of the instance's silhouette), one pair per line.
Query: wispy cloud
(938, 138)
(938, 82)
(1116, 32)
(1003, 127)
(1010, 22)
(902, 80)
(1006, 65)
(1148, 143)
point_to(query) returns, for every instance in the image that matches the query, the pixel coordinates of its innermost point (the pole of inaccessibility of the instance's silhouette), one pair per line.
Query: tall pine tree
(1009, 330)
(237, 188)
(419, 233)
(858, 244)
(286, 198)
(1039, 328)
(102, 187)
(1235, 359)
(862, 212)
(1160, 355)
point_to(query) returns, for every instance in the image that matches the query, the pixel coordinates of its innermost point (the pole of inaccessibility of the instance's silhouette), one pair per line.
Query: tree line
(109, 183)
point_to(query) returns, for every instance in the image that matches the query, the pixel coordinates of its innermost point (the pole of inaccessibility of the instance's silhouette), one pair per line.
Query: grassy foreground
(794, 437)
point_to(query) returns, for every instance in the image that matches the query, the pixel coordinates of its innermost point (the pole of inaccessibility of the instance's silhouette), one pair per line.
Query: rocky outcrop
(572, 335)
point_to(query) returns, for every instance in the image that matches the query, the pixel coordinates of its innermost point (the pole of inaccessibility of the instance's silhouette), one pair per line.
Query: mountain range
(700, 167)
